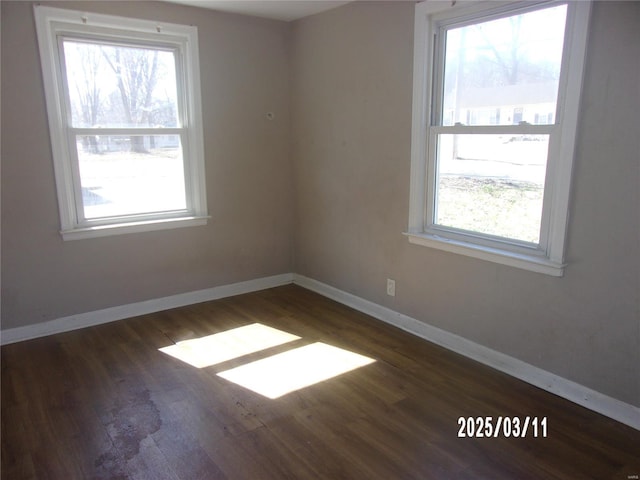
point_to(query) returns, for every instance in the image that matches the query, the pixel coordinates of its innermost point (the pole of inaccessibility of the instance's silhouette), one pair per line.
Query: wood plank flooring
(105, 403)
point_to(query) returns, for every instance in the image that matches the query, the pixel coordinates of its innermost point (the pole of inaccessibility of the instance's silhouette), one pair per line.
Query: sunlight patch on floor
(221, 347)
(301, 367)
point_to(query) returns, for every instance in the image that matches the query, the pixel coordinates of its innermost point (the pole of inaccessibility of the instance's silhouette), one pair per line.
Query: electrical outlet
(391, 287)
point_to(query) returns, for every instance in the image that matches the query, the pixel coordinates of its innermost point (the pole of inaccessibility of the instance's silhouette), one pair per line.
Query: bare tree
(88, 104)
(508, 62)
(136, 71)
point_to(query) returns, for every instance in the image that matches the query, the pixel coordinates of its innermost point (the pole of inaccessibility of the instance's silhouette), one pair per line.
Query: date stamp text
(505, 427)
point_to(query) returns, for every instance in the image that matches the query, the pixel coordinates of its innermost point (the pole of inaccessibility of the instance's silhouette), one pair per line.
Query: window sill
(132, 227)
(533, 263)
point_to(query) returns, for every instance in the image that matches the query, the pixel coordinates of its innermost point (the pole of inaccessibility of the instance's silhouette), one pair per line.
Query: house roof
(521, 94)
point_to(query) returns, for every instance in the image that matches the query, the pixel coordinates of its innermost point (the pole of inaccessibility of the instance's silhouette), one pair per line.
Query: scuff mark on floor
(133, 417)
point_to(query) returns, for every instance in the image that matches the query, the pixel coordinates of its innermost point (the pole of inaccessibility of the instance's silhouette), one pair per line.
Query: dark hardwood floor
(105, 403)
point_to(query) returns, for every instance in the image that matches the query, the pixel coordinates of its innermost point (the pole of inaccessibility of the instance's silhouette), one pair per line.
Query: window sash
(81, 220)
(134, 42)
(429, 221)
(478, 14)
(433, 228)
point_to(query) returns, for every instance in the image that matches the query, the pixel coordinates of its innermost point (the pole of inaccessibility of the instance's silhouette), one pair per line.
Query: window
(494, 124)
(123, 101)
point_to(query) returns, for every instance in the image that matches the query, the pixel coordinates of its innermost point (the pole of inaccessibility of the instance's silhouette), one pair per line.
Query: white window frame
(52, 24)
(548, 256)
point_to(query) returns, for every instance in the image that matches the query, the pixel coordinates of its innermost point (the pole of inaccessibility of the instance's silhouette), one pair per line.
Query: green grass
(504, 208)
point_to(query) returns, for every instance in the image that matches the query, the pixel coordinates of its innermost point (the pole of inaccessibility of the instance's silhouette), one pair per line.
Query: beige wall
(244, 74)
(326, 195)
(351, 149)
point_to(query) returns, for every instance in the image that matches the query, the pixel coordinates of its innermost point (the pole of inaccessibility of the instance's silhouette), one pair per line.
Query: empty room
(320, 240)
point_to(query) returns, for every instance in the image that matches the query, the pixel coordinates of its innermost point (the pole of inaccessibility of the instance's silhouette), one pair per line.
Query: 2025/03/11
(507, 427)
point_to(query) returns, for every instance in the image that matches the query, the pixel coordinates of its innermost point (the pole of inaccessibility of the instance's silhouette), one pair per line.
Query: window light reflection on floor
(301, 367)
(224, 346)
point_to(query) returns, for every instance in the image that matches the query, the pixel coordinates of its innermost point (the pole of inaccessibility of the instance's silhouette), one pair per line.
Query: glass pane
(122, 175)
(492, 184)
(504, 71)
(118, 86)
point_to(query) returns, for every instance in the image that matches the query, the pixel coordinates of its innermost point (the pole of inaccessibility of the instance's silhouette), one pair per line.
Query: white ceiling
(286, 10)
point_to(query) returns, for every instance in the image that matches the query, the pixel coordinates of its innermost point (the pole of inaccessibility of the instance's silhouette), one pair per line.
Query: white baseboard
(574, 392)
(112, 314)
